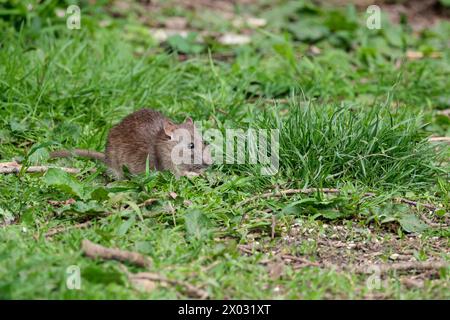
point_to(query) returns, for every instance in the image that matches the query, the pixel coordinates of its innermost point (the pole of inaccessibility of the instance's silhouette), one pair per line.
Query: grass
(328, 145)
(351, 116)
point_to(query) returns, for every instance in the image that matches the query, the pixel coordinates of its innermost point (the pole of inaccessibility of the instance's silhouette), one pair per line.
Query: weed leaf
(196, 224)
(64, 182)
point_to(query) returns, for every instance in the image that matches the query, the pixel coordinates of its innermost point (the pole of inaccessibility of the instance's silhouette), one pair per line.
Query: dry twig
(445, 112)
(189, 289)
(304, 261)
(431, 223)
(147, 281)
(14, 167)
(439, 139)
(147, 202)
(62, 229)
(274, 221)
(95, 251)
(81, 225)
(401, 266)
(415, 203)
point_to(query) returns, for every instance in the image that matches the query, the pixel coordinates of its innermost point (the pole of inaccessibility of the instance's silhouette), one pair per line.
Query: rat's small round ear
(169, 128)
(189, 120)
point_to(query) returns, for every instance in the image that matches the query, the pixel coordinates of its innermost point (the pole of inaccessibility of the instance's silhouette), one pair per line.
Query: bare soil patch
(412, 259)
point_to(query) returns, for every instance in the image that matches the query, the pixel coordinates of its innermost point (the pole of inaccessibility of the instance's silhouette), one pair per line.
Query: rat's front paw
(191, 174)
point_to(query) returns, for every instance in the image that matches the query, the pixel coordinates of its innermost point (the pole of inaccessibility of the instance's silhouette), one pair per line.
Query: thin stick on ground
(445, 112)
(85, 224)
(415, 203)
(95, 251)
(412, 283)
(432, 223)
(145, 279)
(439, 139)
(305, 262)
(147, 202)
(401, 266)
(62, 229)
(274, 221)
(189, 289)
(14, 167)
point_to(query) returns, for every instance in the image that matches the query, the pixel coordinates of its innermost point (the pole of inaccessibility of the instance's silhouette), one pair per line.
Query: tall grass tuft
(327, 146)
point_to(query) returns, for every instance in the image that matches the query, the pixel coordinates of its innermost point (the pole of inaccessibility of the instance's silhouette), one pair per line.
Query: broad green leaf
(410, 223)
(295, 206)
(85, 207)
(97, 274)
(64, 181)
(196, 224)
(99, 194)
(331, 214)
(308, 30)
(123, 228)
(145, 247)
(185, 44)
(39, 156)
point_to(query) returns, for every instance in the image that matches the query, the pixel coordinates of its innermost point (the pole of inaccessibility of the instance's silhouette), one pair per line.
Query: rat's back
(132, 140)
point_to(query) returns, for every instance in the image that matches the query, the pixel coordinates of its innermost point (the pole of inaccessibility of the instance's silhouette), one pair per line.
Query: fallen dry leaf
(251, 22)
(160, 34)
(148, 281)
(148, 202)
(105, 23)
(142, 284)
(313, 50)
(233, 39)
(276, 268)
(178, 23)
(173, 195)
(414, 55)
(445, 112)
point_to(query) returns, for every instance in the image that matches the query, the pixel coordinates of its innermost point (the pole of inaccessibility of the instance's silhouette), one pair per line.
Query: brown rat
(149, 134)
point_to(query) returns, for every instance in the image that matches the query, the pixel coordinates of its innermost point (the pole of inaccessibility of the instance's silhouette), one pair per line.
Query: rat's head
(188, 152)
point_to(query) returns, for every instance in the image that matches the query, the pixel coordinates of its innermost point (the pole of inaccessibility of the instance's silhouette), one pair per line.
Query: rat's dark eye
(191, 145)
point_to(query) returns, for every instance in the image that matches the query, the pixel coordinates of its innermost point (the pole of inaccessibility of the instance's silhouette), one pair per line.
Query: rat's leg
(190, 174)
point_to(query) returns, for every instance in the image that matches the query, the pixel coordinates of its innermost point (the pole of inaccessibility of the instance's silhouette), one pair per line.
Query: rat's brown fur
(146, 134)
